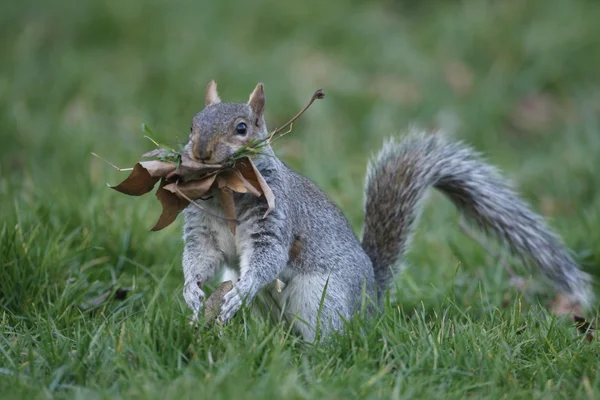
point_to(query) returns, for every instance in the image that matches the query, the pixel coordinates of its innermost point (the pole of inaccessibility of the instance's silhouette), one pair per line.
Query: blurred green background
(519, 80)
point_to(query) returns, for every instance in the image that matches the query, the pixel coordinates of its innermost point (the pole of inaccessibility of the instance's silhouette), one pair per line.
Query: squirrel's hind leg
(300, 303)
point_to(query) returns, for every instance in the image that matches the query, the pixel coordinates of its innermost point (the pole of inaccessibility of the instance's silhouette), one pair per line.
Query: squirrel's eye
(241, 129)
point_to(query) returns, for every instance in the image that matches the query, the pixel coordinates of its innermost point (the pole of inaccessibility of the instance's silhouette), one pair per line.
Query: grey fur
(213, 139)
(329, 252)
(307, 243)
(396, 184)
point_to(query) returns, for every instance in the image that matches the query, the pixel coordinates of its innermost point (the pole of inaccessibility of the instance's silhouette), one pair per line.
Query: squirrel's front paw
(194, 296)
(233, 300)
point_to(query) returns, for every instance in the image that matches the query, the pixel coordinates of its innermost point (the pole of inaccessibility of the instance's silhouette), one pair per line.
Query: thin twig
(180, 193)
(111, 164)
(284, 133)
(254, 147)
(317, 95)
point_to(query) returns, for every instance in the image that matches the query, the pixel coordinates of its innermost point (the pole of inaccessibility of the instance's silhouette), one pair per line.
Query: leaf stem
(111, 164)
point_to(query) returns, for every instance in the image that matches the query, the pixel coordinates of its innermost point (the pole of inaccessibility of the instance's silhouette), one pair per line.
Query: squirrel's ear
(257, 99)
(211, 97)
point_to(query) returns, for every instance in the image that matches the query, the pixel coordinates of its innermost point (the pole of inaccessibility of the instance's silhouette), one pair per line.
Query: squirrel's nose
(201, 151)
(204, 155)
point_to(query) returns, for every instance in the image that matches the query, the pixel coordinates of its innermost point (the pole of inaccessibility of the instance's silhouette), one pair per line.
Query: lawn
(91, 302)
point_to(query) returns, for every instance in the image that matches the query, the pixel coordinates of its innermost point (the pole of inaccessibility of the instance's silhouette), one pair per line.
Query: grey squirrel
(307, 243)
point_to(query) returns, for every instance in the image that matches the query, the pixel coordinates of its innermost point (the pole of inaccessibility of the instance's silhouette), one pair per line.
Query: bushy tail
(397, 181)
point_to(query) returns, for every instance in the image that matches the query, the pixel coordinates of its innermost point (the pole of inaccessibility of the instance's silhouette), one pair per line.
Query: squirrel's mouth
(212, 160)
(208, 154)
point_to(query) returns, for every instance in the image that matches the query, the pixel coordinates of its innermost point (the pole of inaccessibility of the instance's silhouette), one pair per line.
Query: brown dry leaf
(248, 173)
(563, 305)
(186, 180)
(194, 180)
(194, 189)
(190, 170)
(226, 199)
(187, 170)
(589, 329)
(229, 179)
(175, 198)
(172, 205)
(251, 173)
(139, 182)
(144, 176)
(213, 304)
(248, 185)
(235, 181)
(158, 169)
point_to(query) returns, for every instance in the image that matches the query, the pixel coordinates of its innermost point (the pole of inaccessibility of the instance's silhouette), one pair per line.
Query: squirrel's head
(220, 129)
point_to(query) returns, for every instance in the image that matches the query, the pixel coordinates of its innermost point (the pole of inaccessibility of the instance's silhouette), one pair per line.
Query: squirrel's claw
(194, 296)
(233, 300)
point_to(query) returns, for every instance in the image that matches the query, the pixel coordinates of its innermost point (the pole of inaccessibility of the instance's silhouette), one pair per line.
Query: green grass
(77, 77)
